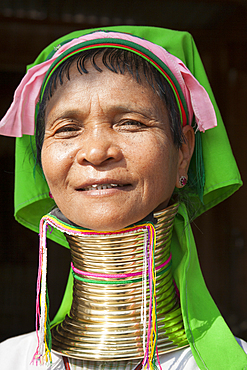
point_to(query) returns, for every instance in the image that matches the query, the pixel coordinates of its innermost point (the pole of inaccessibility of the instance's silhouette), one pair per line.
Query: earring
(182, 181)
(50, 195)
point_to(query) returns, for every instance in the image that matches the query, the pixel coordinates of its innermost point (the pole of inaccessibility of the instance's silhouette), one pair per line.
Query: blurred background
(219, 28)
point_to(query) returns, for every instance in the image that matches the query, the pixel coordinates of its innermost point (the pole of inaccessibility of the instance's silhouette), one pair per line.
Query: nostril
(98, 152)
(95, 162)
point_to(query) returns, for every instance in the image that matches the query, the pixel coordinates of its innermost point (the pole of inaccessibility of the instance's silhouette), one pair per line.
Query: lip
(102, 182)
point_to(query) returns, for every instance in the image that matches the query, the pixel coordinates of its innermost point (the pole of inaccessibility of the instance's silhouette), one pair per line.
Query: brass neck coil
(105, 320)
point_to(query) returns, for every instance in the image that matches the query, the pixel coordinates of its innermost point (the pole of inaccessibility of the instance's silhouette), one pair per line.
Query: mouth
(102, 187)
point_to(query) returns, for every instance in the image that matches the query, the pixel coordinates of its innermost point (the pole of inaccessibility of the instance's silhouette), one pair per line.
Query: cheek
(162, 168)
(154, 155)
(55, 162)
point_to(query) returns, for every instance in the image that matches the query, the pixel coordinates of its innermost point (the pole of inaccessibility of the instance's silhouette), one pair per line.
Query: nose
(98, 147)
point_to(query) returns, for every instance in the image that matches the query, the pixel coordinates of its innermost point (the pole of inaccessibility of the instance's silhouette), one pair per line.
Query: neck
(108, 319)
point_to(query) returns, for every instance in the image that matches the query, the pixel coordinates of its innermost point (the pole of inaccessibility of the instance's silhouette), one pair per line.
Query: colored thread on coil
(42, 353)
(113, 281)
(116, 276)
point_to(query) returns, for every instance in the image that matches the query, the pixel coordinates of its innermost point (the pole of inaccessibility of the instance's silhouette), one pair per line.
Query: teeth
(101, 187)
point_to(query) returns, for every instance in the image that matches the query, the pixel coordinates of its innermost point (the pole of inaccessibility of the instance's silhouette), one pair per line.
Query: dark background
(220, 31)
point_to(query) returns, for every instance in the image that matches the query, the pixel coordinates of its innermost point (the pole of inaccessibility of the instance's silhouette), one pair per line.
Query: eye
(131, 124)
(68, 130)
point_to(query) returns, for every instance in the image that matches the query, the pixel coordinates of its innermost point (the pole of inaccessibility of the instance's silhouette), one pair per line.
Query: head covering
(212, 343)
(179, 77)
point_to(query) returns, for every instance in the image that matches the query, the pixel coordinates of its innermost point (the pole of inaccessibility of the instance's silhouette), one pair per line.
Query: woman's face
(108, 154)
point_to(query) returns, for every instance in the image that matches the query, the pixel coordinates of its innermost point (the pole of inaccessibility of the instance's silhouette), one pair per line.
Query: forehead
(113, 90)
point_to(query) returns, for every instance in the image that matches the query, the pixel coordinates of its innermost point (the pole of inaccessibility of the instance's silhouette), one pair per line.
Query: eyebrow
(119, 109)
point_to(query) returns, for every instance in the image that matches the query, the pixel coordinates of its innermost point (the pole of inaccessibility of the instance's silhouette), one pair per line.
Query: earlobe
(182, 181)
(185, 154)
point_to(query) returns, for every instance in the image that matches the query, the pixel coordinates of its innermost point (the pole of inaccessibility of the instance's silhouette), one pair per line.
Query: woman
(116, 119)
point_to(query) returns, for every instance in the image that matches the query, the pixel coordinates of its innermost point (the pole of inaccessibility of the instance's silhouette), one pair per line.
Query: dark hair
(117, 61)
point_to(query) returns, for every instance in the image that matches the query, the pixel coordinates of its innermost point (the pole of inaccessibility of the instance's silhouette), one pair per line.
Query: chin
(103, 226)
(104, 223)
(104, 218)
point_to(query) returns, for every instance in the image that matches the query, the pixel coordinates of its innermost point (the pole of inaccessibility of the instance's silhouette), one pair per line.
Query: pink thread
(115, 276)
(165, 263)
(158, 359)
(150, 297)
(37, 319)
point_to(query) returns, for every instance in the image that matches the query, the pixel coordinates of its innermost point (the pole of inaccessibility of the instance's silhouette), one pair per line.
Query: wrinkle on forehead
(98, 90)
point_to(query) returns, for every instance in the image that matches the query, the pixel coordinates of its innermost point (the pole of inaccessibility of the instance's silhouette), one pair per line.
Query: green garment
(212, 343)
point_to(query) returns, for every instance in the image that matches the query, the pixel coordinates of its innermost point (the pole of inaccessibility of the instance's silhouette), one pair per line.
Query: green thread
(105, 282)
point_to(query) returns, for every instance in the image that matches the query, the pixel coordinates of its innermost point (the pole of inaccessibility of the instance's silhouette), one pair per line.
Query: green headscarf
(212, 344)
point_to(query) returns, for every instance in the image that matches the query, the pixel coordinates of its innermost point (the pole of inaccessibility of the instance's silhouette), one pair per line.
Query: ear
(185, 154)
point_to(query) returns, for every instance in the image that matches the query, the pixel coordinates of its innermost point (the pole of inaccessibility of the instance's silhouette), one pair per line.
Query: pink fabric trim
(19, 119)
